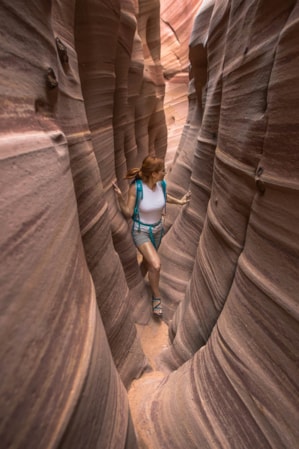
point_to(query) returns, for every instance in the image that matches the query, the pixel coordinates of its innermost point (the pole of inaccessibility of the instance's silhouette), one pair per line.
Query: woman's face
(160, 174)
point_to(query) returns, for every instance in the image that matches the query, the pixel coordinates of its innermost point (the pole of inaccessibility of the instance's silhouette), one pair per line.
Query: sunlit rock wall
(175, 34)
(150, 124)
(193, 165)
(233, 362)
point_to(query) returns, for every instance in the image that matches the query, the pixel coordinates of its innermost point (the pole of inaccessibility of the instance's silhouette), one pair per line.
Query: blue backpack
(139, 196)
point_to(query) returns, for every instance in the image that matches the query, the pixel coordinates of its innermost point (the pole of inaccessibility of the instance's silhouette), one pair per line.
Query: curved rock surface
(104, 80)
(194, 157)
(64, 363)
(175, 61)
(234, 350)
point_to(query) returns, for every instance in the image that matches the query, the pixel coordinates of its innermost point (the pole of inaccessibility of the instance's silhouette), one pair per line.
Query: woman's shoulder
(132, 188)
(137, 184)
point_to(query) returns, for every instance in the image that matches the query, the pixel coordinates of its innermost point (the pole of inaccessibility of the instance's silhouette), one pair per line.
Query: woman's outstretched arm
(184, 200)
(127, 208)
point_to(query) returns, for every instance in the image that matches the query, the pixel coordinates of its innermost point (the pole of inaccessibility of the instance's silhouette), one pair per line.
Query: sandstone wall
(233, 361)
(68, 341)
(175, 34)
(192, 158)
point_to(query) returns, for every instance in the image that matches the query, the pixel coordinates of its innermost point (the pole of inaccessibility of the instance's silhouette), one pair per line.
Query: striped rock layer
(233, 314)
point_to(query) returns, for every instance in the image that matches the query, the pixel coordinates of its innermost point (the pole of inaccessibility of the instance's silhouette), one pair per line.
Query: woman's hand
(117, 190)
(186, 198)
(126, 207)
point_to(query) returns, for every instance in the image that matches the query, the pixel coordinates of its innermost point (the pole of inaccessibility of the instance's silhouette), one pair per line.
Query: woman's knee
(150, 257)
(155, 265)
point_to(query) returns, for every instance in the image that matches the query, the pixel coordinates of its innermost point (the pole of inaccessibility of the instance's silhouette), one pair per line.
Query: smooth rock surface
(233, 361)
(68, 340)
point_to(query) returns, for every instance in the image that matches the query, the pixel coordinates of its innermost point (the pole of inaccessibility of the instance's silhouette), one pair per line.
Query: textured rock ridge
(194, 157)
(175, 34)
(68, 340)
(105, 95)
(234, 349)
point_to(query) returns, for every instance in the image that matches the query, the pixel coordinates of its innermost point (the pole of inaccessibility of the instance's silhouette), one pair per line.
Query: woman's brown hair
(150, 165)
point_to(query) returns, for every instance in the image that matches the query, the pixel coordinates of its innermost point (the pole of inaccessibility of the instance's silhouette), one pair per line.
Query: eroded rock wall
(103, 60)
(234, 353)
(68, 340)
(175, 35)
(193, 164)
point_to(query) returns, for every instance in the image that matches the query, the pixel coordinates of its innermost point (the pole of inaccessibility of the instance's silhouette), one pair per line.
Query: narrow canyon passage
(154, 339)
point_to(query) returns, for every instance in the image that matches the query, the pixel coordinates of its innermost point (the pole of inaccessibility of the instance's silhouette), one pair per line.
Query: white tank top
(152, 204)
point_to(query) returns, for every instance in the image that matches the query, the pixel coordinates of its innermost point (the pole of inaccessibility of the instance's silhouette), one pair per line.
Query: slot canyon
(88, 90)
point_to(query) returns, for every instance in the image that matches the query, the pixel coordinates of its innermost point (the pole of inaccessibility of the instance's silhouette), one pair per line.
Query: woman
(148, 189)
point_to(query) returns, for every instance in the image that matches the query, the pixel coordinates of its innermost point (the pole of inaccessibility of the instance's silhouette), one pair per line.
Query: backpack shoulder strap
(163, 184)
(139, 196)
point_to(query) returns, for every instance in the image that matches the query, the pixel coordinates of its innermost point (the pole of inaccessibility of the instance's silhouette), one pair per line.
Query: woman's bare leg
(152, 260)
(144, 267)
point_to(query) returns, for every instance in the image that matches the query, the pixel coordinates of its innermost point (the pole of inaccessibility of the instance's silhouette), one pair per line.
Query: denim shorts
(143, 235)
